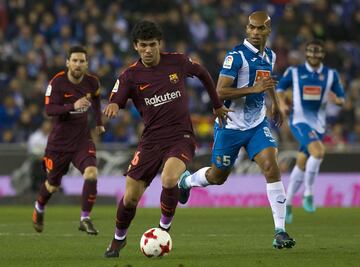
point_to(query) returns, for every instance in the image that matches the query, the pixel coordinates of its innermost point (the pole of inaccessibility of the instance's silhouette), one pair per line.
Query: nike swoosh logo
(68, 95)
(281, 202)
(143, 87)
(253, 59)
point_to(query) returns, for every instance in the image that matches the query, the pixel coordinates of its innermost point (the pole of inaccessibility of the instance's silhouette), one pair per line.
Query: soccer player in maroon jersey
(156, 85)
(67, 100)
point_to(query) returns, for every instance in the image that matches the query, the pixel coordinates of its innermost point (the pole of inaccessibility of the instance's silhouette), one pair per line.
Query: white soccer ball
(155, 242)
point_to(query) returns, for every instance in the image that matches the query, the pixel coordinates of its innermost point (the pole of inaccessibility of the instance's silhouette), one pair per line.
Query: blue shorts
(227, 143)
(304, 134)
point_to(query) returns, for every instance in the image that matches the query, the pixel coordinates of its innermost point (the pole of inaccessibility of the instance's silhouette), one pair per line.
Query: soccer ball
(155, 242)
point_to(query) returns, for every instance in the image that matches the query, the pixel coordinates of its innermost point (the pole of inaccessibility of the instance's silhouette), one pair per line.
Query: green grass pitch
(218, 237)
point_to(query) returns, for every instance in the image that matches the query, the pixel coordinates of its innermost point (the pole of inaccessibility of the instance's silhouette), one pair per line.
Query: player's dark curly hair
(76, 49)
(318, 42)
(145, 30)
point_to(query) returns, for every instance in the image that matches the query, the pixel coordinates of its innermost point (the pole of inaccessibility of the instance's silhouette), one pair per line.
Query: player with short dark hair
(68, 97)
(156, 85)
(243, 81)
(313, 86)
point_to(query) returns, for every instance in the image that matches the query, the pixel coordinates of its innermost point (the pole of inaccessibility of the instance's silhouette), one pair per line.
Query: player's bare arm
(99, 129)
(276, 113)
(111, 110)
(332, 97)
(222, 113)
(284, 107)
(220, 110)
(95, 98)
(226, 91)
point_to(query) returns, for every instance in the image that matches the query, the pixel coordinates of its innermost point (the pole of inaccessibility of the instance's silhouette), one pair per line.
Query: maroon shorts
(148, 158)
(57, 163)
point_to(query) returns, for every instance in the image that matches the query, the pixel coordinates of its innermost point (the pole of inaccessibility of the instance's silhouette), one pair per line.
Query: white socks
(311, 171)
(84, 217)
(39, 208)
(296, 179)
(197, 179)
(276, 196)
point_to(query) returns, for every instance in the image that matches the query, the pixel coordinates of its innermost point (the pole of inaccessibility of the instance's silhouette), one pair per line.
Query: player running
(156, 85)
(243, 81)
(67, 99)
(313, 86)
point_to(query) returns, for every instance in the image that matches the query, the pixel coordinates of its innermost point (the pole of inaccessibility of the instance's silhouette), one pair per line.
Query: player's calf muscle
(216, 176)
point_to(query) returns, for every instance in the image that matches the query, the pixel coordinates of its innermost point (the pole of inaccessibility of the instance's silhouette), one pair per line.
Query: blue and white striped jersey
(310, 93)
(246, 65)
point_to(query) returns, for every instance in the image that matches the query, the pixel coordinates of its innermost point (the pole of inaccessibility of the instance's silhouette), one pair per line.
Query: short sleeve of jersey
(231, 65)
(53, 92)
(190, 68)
(121, 90)
(97, 87)
(336, 87)
(285, 81)
(95, 84)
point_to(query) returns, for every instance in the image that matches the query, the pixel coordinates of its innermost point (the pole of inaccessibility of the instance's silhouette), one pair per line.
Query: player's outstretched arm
(276, 112)
(332, 97)
(282, 102)
(220, 110)
(99, 129)
(95, 99)
(111, 110)
(204, 76)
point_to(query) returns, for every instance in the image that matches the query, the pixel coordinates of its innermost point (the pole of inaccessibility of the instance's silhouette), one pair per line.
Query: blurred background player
(156, 85)
(243, 81)
(36, 147)
(313, 86)
(67, 99)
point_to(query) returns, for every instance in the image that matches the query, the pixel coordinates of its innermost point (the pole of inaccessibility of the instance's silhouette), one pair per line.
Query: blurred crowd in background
(35, 36)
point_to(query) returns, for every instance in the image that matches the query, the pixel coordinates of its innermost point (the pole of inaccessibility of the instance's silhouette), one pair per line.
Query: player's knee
(301, 164)
(169, 181)
(131, 199)
(320, 153)
(271, 171)
(90, 173)
(317, 150)
(51, 188)
(130, 202)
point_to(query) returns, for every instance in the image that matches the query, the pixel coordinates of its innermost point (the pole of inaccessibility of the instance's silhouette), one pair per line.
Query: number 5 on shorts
(226, 160)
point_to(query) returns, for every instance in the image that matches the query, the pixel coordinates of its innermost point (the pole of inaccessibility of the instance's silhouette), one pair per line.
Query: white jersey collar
(255, 50)
(311, 69)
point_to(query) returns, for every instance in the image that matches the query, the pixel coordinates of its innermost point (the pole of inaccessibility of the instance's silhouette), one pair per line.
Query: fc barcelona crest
(174, 78)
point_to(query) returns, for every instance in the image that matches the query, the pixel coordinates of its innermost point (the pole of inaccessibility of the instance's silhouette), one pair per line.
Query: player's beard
(315, 63)
(76, 74)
